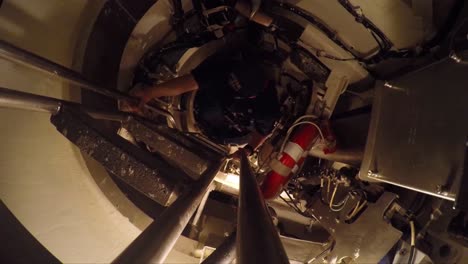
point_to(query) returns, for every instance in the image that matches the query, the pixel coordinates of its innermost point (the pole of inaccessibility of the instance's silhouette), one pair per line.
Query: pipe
(257, 238)
(26, 101)
(353, 156)
(157, 240)
(24, 57)
(18, 55)
(225, 253)
(201, 207)
(32, 102)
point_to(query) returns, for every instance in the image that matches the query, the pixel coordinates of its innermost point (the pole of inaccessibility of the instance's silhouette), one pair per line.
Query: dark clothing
(222, 17)
(215, 3)
(234, 98)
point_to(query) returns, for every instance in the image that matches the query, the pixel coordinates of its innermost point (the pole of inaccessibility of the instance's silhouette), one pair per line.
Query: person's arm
(174, 87)
(244, 8)
(256, 139)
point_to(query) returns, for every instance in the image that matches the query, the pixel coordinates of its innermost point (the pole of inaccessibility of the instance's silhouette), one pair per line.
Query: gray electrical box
(418, 131)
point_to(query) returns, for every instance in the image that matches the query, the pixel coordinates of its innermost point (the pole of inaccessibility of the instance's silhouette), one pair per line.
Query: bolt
(372, 174)
(393, 87)
(388, 85)
(455, 57)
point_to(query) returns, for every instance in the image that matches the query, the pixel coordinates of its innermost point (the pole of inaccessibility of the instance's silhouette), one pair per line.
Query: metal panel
(359, 240)
(303, 251)
(418, 130)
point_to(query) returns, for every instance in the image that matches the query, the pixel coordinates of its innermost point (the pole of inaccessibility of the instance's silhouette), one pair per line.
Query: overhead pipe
(31, 60)
(257, 238)
(24, 57)
(32, 102)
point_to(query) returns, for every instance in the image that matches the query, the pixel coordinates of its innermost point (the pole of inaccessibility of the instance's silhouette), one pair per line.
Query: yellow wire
(333, 196)
(355, 210)
(362, 206)
(290, 130)
(413, 234)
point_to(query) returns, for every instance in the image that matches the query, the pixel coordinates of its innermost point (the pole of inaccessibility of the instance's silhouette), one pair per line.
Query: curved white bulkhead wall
(44, 180)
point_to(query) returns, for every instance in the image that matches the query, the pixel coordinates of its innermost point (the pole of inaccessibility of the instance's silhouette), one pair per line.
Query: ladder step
(149, 174)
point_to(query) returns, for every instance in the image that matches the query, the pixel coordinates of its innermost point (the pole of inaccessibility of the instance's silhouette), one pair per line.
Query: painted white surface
(43, 178)
(151, 29)
(317, 40)
(399, 21)
(395, 18)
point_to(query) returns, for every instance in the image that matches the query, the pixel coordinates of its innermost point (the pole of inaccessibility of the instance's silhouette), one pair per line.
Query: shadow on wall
(18, 245)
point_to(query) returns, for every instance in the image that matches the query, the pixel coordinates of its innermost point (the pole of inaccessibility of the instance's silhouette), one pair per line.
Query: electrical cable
(297, 209)
(342, 203)
(321, 53)
(354, 212)
(305, 116)
(328, 249)
(334, 207)
(381, 47)
(333, 196)
(295, 125)
(385, 44)
(357, 209)
(290, 198)
(316, 22)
